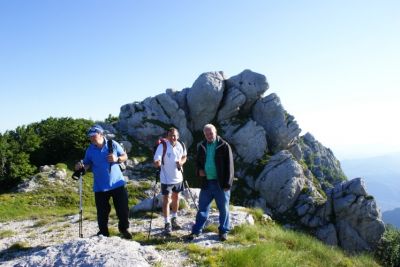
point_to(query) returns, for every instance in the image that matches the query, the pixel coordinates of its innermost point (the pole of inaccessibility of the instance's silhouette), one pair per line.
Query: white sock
(174, 215)
(166, 219)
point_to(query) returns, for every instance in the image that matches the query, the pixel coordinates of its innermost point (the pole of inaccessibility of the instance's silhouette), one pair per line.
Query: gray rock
(231, 104)
(251, 84)
(321, 161)
(358, 215)
(281, 128)
(126, 145)
(327, 234)
(204, 97)
(148, 120)
(248, 140)
(281, 181)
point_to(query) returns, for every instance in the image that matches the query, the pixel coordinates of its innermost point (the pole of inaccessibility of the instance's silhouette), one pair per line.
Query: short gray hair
(209, 126)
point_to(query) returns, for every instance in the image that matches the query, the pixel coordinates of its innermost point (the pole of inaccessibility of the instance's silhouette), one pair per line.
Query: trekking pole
(152, 205)
(80, 206)
(191, 195)
(77, 175)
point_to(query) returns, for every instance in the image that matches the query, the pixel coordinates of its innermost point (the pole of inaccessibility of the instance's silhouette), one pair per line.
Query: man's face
(97, 139)
(210, 135)
(173, 137)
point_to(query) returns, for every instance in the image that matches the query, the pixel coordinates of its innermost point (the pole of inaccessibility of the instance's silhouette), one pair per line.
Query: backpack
(163, 141)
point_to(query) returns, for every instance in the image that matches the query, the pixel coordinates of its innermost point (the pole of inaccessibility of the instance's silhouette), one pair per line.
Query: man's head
(172, 135)
(95, 133)
(210, 132)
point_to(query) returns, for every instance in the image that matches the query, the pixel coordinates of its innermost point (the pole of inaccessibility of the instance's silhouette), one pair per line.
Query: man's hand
(112, 158)
(157, 163)
(79, 165)
(202, 173)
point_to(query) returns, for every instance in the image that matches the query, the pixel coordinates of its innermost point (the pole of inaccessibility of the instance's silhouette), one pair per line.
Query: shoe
(167, 229)
(223, 237)
(126, 235)
(106, 234)
(175, 225)
(190, 237)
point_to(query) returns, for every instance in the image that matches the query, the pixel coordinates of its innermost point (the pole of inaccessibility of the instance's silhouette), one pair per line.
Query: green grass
(271, 245)
(6, 233)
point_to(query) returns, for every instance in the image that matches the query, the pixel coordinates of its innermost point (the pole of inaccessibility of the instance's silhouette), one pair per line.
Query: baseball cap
(95, 129)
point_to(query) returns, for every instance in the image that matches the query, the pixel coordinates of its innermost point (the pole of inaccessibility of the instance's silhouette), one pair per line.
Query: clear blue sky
(334, 64)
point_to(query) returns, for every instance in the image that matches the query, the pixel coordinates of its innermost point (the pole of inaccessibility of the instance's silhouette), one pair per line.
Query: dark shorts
(167, 189)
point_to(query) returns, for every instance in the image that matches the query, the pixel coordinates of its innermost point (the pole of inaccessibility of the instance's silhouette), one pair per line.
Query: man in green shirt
(215, 167)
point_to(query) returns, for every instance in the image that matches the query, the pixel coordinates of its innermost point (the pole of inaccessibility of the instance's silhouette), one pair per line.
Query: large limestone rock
(281, 181)
(321, 161)
(252, 85)
(204, 97)
(249, 140)
(148, 120)
(359, 223)
(232, 102)
(281, 128)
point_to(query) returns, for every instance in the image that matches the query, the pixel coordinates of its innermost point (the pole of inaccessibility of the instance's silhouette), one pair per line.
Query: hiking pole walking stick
(80, 205)
(152, 205)
(77, 175)
(191, 195)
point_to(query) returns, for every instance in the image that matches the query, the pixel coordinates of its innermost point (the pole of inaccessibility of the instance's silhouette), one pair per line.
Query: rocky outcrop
(295, 179)
(281, 128)
(249, 140)
(204, 97)
(321, 161)
(148, 120)
(252, 85)
(358, 220)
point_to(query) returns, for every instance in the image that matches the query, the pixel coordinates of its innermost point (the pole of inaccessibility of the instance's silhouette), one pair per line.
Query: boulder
(249, 140)
(251, 84)
(281, 181)
(204, 98)
(281, 128)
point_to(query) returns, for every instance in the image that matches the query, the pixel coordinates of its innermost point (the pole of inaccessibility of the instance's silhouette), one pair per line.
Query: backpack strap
(164, 151)
(110, 146)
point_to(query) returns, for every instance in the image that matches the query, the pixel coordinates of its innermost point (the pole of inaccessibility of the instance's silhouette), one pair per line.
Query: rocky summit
(293, 178)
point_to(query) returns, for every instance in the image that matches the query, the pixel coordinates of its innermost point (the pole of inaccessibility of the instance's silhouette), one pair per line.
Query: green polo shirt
(210, 168)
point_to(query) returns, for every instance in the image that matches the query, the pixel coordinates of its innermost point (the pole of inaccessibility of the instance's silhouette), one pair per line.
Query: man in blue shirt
(108, 180)
(214, 164)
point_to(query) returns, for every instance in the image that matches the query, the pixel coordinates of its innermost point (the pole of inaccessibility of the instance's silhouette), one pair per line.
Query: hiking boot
(106, 234)
(190, 237)
(175, 225)
(167, 229)
(126, 235)
(223, 237)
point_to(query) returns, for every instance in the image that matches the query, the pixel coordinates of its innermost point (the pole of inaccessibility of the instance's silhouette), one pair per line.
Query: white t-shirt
(169, 172)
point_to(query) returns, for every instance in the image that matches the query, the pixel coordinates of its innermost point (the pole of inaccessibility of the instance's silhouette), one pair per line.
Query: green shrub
(388, 249)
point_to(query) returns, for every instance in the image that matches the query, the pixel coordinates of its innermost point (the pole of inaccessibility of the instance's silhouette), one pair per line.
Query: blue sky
(334, 64)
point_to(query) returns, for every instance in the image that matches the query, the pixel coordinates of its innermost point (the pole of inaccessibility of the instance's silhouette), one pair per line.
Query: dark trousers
(120, 200)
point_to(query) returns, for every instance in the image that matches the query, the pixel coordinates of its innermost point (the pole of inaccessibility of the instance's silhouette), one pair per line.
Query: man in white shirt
(170, 157)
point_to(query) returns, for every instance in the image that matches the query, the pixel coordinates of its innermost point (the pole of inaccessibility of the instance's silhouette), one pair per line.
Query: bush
(388, 249)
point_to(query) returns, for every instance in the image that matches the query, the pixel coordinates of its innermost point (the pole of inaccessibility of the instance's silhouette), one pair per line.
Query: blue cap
(94, 130)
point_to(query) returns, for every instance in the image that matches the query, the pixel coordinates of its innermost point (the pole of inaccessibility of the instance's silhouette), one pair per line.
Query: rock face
(295, 179)
(358, 220)
(281, 128)
(204, 97)
(323, 164)
(148, 120)
(249, 140)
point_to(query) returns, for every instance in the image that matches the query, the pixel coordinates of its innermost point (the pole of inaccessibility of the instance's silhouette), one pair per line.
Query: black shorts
(167, 189)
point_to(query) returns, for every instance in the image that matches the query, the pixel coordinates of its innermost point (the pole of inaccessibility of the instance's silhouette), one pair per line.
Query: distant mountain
(382, 176)
(392, 217)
